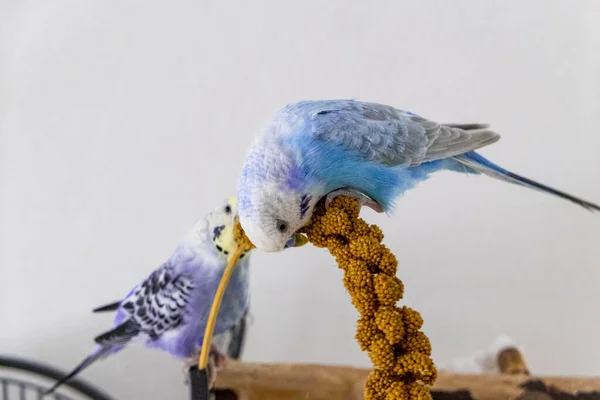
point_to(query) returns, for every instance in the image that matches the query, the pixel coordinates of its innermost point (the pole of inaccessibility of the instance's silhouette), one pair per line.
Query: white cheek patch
(269, 205)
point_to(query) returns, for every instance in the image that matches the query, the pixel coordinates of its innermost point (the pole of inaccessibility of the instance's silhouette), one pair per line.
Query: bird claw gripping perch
(362, 198)
(399, 351)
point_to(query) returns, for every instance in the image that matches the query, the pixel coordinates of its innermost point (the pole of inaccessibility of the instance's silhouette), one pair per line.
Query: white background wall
(123, 121)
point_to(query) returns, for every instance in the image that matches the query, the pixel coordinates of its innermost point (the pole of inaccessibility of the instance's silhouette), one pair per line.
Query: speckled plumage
(312, 148)
(169, 309)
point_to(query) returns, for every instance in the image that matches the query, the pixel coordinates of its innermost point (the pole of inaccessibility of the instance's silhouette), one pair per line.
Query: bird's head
(271, 217)
(220, 227)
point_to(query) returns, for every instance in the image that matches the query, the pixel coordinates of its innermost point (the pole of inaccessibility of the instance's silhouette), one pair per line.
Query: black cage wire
(24, 379)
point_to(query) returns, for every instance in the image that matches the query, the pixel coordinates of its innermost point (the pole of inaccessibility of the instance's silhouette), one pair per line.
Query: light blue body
(312, 148)
(330, 167)
(320, 166)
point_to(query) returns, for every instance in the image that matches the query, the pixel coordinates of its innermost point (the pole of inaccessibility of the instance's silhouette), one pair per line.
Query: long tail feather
(101, 352)
(468, 127)
(478, 163)
(107, 307)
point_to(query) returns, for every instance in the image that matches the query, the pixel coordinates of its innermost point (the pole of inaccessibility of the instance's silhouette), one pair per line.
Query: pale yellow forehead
(232, 201)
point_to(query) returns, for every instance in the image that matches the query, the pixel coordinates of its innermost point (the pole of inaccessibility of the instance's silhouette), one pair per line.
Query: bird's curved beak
(297, 240)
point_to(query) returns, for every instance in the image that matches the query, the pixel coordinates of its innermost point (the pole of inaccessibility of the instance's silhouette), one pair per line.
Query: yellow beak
(301, 240)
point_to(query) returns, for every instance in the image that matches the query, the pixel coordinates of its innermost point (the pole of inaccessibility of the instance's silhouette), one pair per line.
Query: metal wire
(26, 390)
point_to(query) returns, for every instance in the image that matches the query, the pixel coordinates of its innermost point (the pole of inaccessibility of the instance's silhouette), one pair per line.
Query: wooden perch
(252, 381)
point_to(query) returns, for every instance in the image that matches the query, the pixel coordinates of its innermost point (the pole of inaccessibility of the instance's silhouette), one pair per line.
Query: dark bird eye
(228, 209)
(282, 225)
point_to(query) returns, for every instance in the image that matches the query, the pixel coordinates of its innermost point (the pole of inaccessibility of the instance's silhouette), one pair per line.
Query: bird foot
(216, 361)
(362, 198)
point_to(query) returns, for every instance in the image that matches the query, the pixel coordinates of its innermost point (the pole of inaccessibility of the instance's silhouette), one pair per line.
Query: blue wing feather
(383, 134)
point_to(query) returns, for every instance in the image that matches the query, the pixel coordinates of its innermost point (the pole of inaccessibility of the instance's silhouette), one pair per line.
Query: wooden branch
(252, 381)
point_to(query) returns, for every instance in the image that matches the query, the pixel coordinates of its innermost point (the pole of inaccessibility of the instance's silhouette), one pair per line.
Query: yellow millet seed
(376, 233)
(366, 331)
(397, 391)
(416, 342)
(366, 248)
(377, 384)
(398, 350)
(389, 289)
(382, 355)
(339, 249)
(388, 264)
(360, 275)
(320, 242)
(349, 285)
(412, 319)
(334, 242)
(417, 391)
(336, 222)
(389, 321)
(418, 365)
(348, 204)
(341, 257)
(315, 230)
(240, 236)
(359, 228)
(365, 302)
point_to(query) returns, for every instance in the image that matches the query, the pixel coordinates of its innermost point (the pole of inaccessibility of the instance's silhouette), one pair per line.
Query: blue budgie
(374, 152)
(169, 309)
